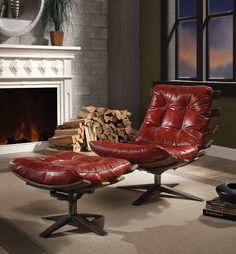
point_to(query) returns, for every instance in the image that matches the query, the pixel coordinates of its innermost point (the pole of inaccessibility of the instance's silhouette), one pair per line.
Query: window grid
(209, 17)
(202, 20)
(178, 21)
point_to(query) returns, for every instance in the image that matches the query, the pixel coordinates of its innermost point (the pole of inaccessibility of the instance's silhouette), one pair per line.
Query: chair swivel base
(157, 188)
(72, 218)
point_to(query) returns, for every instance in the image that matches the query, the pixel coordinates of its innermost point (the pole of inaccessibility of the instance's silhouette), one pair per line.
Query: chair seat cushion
(68, 168)
(184, 152)
(135, 153)
(144, 153)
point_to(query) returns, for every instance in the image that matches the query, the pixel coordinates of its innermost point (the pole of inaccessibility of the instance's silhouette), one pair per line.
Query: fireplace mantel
(29, 62)
(29, 66)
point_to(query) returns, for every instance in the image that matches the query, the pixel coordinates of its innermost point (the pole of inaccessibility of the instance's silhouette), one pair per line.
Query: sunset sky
(220, 40)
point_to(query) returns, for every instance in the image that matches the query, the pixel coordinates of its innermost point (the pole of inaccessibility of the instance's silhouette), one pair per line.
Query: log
(84, 115)
(66, 147)
(74, 123)
(89, 109)
(68, 132)
(86, 112)
(88, 137)
(73, 139)
(101, 110)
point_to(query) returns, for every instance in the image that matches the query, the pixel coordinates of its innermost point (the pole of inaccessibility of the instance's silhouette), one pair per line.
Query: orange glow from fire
(34, 134)
(25, 131)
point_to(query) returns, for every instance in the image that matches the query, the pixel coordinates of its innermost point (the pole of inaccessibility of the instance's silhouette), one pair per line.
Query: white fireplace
(38, 67)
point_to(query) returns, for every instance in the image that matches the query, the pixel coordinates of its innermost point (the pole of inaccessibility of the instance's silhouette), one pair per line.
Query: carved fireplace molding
(29, 66)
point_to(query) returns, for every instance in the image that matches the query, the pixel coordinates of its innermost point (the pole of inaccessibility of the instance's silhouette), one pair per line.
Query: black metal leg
(136, 186)
(175, 192)
(54, 217)
(171, 184)
(147, 194)
(86, 215)
(58, 224)
(89, 225)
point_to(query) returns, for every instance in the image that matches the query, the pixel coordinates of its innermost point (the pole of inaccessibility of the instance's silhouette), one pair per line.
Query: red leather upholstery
(144, 153)
(135, 153)
(177, 116)
(67, 168)
(175, 126)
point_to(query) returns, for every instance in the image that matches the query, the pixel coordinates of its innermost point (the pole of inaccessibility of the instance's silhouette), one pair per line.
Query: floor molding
(222, 152)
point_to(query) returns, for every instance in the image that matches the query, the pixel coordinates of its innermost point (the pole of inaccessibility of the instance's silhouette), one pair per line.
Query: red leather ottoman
(68, 176)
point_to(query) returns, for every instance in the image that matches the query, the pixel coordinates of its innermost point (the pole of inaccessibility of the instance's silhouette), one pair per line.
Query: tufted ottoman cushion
(67, 168)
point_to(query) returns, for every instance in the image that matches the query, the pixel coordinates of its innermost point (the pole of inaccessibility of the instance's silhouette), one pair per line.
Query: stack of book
(220, 209)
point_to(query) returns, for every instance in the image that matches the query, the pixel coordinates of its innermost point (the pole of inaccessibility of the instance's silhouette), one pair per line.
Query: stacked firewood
(92, 123)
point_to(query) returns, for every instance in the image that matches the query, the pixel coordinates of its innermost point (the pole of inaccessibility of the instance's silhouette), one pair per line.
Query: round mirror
(19, 16)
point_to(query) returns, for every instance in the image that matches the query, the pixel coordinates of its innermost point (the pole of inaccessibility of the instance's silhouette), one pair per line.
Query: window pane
(221, 47)
(187, 8)
(187, 51)
(216, 6)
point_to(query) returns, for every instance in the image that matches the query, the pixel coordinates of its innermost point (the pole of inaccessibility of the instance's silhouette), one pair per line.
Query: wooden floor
(208, 166)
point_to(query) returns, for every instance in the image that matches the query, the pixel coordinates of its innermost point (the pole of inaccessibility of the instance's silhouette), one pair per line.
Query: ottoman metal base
(72, 218)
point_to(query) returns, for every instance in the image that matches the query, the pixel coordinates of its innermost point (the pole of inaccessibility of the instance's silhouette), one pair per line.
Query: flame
(19, 133)
(28, 131)
(34, 136)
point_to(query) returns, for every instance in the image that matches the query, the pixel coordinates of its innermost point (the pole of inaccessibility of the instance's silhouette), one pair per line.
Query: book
(219, 214)
(221, 209)
(220, 203)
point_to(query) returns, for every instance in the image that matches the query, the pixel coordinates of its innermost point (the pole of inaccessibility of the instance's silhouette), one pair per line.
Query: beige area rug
(162, 225)
(213, 168)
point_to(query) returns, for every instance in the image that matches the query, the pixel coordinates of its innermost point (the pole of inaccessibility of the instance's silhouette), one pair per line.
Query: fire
(24, 132)
(27, 118)
(27, 131)
(19, 133)
(34, 134)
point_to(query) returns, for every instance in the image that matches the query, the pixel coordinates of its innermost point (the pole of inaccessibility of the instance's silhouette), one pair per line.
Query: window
(200, 42)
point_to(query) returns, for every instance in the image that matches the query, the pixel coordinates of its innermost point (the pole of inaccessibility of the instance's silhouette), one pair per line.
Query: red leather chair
(68, 176)
(174, 133)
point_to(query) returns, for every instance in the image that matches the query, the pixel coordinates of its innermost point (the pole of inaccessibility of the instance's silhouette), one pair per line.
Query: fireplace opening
(27, 114)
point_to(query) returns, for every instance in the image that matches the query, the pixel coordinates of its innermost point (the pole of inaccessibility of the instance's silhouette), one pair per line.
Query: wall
(134, 54)
(88, 29)
(123, 56)
(226, 134)
(150, 49)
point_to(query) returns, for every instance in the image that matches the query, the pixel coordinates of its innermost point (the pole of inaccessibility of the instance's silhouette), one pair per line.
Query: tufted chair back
(177, 116)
